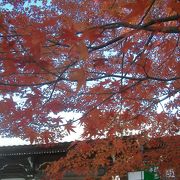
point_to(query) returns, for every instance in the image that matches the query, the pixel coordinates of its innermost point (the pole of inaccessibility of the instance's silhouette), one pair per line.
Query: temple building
(27, 162)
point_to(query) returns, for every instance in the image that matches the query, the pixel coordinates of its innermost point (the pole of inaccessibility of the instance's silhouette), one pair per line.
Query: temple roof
(64, 146)
(34, 149)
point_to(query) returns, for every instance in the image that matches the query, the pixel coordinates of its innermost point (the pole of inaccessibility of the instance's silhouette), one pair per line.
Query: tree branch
(145, 26)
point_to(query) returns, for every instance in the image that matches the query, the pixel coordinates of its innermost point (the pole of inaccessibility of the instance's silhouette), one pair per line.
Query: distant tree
(114, 61)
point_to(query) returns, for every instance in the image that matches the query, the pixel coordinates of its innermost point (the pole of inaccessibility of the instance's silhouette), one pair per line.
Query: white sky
(18, 141)
(73, 136)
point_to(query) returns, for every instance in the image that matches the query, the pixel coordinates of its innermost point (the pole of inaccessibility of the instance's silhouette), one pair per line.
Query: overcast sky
(71, 137)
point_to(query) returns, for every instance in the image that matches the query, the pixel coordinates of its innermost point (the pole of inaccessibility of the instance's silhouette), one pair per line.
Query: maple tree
(114, 62)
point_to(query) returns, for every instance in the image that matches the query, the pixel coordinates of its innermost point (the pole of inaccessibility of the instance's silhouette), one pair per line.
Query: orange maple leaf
(69, 127)
(78, 75)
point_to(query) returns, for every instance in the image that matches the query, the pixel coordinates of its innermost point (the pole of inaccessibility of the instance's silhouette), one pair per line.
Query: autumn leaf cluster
(116, 63)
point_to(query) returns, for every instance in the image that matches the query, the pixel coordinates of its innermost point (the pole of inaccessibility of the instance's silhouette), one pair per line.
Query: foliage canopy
(115, 62)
